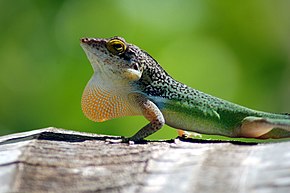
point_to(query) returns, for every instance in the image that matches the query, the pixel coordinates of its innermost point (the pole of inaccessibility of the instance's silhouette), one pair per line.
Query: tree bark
(56, 160)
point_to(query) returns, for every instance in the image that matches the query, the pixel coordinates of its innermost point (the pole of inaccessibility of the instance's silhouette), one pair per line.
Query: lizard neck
(156, 82)
(159, 86)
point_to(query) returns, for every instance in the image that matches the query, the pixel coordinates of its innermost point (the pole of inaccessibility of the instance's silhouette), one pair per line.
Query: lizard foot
(188, 134)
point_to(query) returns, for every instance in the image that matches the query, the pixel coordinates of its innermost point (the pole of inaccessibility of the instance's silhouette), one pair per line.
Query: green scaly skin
(124, 70)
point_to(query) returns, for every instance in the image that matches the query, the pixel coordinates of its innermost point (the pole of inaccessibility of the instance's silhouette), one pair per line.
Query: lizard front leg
(151, 112)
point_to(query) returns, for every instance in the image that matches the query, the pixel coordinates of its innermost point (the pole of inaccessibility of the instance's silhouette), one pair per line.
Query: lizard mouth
(88, 46)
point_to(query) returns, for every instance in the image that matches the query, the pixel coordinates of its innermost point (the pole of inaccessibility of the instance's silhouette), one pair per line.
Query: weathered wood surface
(55, 160)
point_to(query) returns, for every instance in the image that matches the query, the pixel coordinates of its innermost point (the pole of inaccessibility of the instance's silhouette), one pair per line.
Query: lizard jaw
(91, 56)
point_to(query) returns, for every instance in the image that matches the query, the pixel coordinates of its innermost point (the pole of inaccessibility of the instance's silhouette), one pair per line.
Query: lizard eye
(116, 46)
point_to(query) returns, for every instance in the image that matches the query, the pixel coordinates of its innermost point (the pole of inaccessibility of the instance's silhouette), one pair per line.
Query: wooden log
(56, 160)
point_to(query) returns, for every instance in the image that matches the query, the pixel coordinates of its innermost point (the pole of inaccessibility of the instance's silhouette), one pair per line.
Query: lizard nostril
(85, 40)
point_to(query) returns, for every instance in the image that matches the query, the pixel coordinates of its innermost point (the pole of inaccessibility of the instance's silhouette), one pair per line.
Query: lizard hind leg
(259, 127)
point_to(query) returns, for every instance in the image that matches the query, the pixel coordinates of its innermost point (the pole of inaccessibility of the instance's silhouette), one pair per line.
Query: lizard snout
(84, 40)
(88, 40)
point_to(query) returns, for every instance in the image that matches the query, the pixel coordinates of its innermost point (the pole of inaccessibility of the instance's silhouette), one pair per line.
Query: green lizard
(127, 81)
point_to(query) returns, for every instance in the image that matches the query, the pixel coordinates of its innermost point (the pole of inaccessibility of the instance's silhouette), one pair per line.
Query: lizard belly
(196, 123)
(189, 123)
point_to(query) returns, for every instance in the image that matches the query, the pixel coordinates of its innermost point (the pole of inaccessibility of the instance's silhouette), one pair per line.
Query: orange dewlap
(100, 105)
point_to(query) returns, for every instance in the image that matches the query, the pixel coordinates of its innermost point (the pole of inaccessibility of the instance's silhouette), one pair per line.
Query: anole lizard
(127, 81)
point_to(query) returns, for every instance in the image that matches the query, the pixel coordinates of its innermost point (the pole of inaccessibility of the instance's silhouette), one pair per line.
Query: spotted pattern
(155, 81)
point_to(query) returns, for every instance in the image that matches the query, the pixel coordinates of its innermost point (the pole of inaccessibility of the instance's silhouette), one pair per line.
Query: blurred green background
(236, 50)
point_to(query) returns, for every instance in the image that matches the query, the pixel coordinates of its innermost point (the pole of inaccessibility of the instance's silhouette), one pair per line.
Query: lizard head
(120, 69)
(114, 58)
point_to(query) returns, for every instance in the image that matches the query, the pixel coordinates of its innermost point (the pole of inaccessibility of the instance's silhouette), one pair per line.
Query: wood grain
(56, 160)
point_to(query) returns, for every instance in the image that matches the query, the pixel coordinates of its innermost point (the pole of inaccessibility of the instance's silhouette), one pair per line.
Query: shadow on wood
(56, 160)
